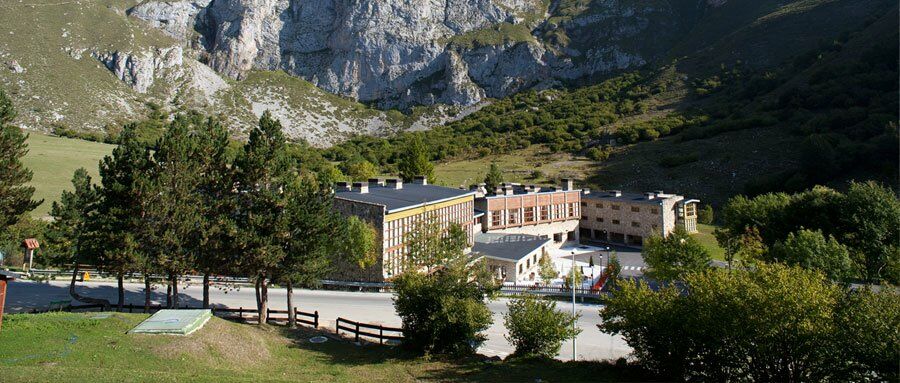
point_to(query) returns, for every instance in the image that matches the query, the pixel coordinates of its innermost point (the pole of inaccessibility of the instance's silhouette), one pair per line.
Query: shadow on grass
(468, 368)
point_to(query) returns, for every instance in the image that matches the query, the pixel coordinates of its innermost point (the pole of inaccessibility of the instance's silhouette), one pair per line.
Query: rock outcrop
(399, 53)
(139, 70)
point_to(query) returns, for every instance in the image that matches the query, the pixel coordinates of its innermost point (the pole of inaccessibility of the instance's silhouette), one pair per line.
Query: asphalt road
(376, 308)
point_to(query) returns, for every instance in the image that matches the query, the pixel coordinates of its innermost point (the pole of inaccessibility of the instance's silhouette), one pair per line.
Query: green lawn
(516, 167)
(75, 347)
(53, 161)
(706, 238)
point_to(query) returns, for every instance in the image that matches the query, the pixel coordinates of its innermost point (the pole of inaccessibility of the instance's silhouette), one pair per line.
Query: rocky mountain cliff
(400, 53)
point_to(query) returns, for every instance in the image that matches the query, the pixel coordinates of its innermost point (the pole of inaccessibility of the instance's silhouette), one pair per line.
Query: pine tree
(415, 160)
(122, 208)
(69, 236)
(172, 219)
(262, 173)
(494, 178)
(215, 253)
(15, 195)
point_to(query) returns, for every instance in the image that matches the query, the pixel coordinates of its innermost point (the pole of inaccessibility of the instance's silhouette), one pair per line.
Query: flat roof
(627, 197)
(508, 247)
(410, 196)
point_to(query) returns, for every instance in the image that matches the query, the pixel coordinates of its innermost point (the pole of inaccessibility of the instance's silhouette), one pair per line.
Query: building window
(545, 213)
(654, 226)
(614, 207)
(513, 215)
(496, 218)
(635, 224)
(599, 219)
(584, 204)
(690, 209)
(635, 209)
(529, 214)
(654, 210)
(520, 268)
(584, 217)
(528, 263)
(599, 206)
(615, 222)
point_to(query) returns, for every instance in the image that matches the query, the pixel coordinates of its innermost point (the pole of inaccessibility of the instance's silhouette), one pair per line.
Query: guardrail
(357, 329)
(550, 290)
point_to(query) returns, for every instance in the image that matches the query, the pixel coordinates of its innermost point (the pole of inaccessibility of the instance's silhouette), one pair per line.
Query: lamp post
(575, 318)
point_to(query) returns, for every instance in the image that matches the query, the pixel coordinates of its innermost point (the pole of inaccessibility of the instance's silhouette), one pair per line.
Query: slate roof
(410, 196)
(508, 247)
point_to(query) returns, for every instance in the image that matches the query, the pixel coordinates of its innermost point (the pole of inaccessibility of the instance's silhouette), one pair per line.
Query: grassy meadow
(84, 347)
(53, 161)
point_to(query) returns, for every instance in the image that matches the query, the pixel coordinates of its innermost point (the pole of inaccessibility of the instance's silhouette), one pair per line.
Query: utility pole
(574, 317)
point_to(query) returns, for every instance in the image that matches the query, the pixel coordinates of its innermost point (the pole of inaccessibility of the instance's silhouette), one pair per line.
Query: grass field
(516, 167)
(706, 238)
(53, 161)
(75, 347)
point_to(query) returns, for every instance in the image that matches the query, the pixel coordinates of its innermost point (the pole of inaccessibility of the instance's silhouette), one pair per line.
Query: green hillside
(53, 161)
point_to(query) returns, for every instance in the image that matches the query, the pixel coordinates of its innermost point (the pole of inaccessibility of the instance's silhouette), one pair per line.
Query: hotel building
(394, 209)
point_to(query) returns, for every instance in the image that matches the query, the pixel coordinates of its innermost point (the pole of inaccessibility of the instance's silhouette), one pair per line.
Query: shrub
(442, 312)
(536, 328)
(706, 215)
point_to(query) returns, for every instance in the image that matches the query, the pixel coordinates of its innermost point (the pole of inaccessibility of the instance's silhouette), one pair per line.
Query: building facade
(394, 210)
(551, 213)
(629, 218)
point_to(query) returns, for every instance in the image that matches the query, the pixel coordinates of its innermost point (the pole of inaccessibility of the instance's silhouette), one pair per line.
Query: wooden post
(337, 326)
(357, 332)
(316, 320)
(2, 297)
(241, 312)
(380, 334)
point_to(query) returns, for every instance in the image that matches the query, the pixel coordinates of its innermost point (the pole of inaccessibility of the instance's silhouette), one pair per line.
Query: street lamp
(574, 318)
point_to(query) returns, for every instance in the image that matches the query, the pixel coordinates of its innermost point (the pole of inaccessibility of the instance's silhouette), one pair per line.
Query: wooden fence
(359, 329)
(307, 318)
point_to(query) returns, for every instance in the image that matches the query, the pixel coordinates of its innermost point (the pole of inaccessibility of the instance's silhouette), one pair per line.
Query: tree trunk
(81, 298)
(146, 294)
(292, 314)
(263, 301)
(206, 290)
(120, 279)
(174, 292)
(169, 294)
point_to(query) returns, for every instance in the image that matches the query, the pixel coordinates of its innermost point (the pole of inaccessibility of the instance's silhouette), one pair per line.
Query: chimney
(375, 182)
(585, 191)
(649, 195)
(535, 188)
(341, 186)
(420, 180)
(508, 190)
(360, 187)
(394, 183)
(567, 184)
(616, 193)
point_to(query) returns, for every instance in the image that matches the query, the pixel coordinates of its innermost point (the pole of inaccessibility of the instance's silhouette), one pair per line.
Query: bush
(536, 328)
(770, 323)
(442, 312)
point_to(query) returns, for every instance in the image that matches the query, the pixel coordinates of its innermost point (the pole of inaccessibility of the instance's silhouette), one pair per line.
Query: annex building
(628, 218)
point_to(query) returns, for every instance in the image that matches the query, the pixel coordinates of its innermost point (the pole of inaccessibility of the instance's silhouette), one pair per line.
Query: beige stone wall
(346, 270)
(655, 218)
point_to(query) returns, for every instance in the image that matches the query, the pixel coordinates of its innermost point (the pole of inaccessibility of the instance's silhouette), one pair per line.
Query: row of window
(527, 215)
(395, 231)
(634, 209)
(617, 222)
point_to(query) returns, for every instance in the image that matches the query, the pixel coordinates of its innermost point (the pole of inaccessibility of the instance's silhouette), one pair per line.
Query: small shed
(5, 278)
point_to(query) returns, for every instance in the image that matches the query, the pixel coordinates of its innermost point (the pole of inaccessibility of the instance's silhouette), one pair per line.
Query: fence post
(337, 326)
(316, 320)
(380, 334)
(241, 312)
(357, 332)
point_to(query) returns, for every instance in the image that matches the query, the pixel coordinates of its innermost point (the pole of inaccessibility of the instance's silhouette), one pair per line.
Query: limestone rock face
(400, 53)
(139, 70)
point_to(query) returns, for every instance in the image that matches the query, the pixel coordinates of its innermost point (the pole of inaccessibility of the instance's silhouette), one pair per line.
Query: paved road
(364, 307)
